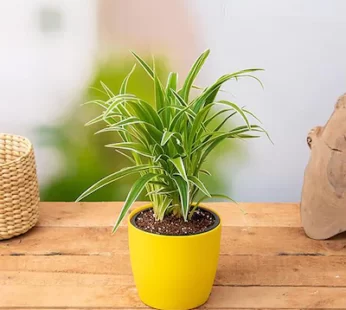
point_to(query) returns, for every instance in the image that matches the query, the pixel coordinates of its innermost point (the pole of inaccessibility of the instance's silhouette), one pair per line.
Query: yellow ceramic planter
(173, 272)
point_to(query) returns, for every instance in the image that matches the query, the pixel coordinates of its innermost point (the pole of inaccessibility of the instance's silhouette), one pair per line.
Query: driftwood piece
(323, 204)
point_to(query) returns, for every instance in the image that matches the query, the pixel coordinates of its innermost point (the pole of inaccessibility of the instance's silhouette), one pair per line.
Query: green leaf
(151, 131)
(215, 138)
(146, 112)
(184, 194)
(128, 121)
(113, 177)
(133, 147)
(236, 108)
(163, 208)
(160, 97)
(179, 98)
(135, 191)
(111, 129)
(253, 115)
(98, 102)
(200, 101)
(206, 172)
(118, 126)
(124, 83)
(212, 96)
(172, 81)
(197, 87)
(224, 121)
(159, 94)
(100, 118)
(144, 65)
(198, 124)
(261, 129)
(127, 156)
(197, 66)
(176, 118)
(107, 90)
(196, 181)
(209, 139)
(253, 77)
(216, 135)
(186, 110)
(115, 102)
(98, 90)
(211, 118)
(166, 136)
(241, 136)
(214, 196)
(179, 165)
(208, 197)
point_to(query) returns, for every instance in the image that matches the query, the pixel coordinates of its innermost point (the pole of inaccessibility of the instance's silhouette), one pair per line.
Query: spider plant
(167, 142)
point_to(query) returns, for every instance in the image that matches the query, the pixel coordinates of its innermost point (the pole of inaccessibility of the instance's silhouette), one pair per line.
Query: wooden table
(71, 261)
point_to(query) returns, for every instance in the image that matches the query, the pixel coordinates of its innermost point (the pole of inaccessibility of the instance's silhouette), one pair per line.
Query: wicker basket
(19, 195)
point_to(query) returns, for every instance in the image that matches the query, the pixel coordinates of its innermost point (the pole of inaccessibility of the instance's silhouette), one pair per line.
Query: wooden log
(323, 204)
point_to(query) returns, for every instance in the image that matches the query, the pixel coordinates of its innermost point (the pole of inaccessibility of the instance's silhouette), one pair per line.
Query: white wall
(302, 46)
(300, 43)
(42, 71)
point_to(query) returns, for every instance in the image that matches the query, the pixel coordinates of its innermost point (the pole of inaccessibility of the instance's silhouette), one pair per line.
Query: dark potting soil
(201, 221)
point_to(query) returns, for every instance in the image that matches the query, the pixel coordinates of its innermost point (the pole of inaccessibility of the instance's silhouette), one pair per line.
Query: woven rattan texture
(19, 194)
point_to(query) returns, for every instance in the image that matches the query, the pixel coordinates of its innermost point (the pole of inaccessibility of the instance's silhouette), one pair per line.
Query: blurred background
(54, 53)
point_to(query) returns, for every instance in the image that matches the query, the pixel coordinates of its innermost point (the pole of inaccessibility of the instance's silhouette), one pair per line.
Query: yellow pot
(174, 272)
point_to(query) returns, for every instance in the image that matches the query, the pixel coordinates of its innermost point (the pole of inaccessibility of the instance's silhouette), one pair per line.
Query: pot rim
(210, 229)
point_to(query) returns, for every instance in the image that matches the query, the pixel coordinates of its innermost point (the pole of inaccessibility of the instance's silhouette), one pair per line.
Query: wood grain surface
(70, 260)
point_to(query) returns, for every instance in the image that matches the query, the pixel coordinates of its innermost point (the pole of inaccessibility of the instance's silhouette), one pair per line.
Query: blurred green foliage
(82, 156)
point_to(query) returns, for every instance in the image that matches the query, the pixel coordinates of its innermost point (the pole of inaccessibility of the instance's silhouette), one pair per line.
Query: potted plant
(174, 241)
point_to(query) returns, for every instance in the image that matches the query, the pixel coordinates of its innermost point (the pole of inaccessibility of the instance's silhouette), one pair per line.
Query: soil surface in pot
(201, 221)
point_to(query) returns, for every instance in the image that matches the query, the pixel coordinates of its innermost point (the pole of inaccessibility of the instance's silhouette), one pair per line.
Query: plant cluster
(168, 141)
